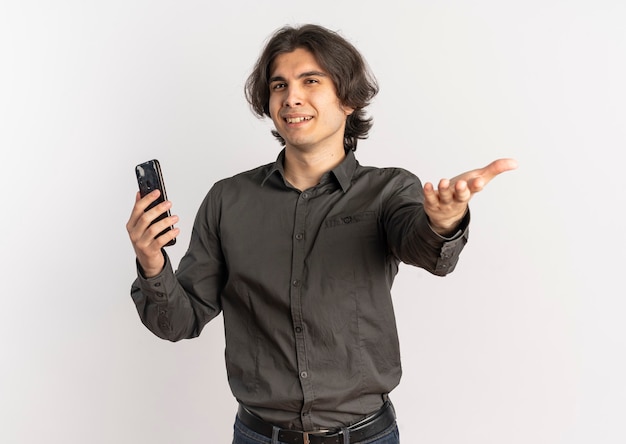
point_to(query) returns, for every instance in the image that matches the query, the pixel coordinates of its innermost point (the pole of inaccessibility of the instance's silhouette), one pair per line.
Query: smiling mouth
(297, 119)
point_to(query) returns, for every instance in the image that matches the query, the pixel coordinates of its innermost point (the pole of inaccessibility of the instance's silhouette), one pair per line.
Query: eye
(277, 86)
(309, 81)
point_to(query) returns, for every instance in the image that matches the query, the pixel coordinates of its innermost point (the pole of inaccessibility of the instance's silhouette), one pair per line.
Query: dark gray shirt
(303, 280)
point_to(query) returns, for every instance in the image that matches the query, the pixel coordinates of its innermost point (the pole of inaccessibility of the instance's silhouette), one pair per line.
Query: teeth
(296, 119)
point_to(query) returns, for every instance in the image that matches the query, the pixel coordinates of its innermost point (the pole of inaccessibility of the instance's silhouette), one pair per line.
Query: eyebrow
(304, 74)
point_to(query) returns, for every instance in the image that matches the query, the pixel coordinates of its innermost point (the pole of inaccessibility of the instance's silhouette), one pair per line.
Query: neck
(304, 170)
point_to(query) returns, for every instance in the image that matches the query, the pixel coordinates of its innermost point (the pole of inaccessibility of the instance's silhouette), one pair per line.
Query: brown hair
(355, 84)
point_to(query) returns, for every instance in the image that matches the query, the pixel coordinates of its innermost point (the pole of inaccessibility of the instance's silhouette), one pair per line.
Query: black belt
(367, 428)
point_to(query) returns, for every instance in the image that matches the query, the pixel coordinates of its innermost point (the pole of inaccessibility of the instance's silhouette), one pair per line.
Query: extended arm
(175, 306)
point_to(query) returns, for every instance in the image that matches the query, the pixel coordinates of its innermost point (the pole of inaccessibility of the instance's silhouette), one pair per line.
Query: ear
(348, 110)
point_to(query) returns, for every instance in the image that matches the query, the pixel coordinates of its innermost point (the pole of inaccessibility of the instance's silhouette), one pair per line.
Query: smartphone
(150, 178)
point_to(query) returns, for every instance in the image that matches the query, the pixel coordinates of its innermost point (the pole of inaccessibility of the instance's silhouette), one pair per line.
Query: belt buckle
(307, 440)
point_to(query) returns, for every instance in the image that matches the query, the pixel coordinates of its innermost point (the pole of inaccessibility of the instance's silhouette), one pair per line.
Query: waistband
(364, 429)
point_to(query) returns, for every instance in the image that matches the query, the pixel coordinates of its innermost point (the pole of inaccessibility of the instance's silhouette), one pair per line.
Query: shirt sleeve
(177, 305)
(409, 235)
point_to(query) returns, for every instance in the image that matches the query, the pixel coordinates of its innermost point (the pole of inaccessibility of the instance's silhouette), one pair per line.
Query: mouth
(297, 119)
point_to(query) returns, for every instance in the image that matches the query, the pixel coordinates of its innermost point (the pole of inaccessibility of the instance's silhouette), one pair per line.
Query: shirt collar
(342, 172)
(345, 170)
(276, 167)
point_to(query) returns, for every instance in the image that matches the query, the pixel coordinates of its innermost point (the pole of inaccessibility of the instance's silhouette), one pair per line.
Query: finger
(488, 173)
(153, 233)
(462, 192)
(153, 215)
(141, 203)
(497, 167)
(166, 237)
(145, 201)
(430, 195)
(446, 192)
(142, 220)
(148, 241)
(476, 184)
(161, 225)
(478, 178)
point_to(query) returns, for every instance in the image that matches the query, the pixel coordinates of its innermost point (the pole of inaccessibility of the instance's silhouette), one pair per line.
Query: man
(299, 255)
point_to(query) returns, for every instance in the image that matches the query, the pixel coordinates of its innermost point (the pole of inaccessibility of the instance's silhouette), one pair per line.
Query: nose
(293, 97)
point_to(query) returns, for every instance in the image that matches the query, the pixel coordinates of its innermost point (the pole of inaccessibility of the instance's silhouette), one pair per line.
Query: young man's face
(304, 105)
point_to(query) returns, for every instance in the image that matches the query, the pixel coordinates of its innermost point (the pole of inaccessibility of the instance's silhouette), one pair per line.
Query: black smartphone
(150, 178)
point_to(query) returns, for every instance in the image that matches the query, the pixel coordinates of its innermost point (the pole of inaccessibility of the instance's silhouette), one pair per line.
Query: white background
(523, 343)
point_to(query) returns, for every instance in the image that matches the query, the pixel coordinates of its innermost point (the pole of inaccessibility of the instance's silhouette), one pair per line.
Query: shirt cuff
(157, 288)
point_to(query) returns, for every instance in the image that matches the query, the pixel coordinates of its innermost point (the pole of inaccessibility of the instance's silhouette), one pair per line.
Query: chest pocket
(351, 235)
(353, 250)
(350, 219)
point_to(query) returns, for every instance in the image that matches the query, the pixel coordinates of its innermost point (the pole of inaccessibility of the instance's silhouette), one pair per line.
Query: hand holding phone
(150, 178)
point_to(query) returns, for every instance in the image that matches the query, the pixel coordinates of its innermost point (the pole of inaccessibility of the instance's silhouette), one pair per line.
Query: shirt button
(299, 236)
(296, 283)
(304, 375)
(347, 220)
(298, 329)
(157, 284)
(305, 195)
